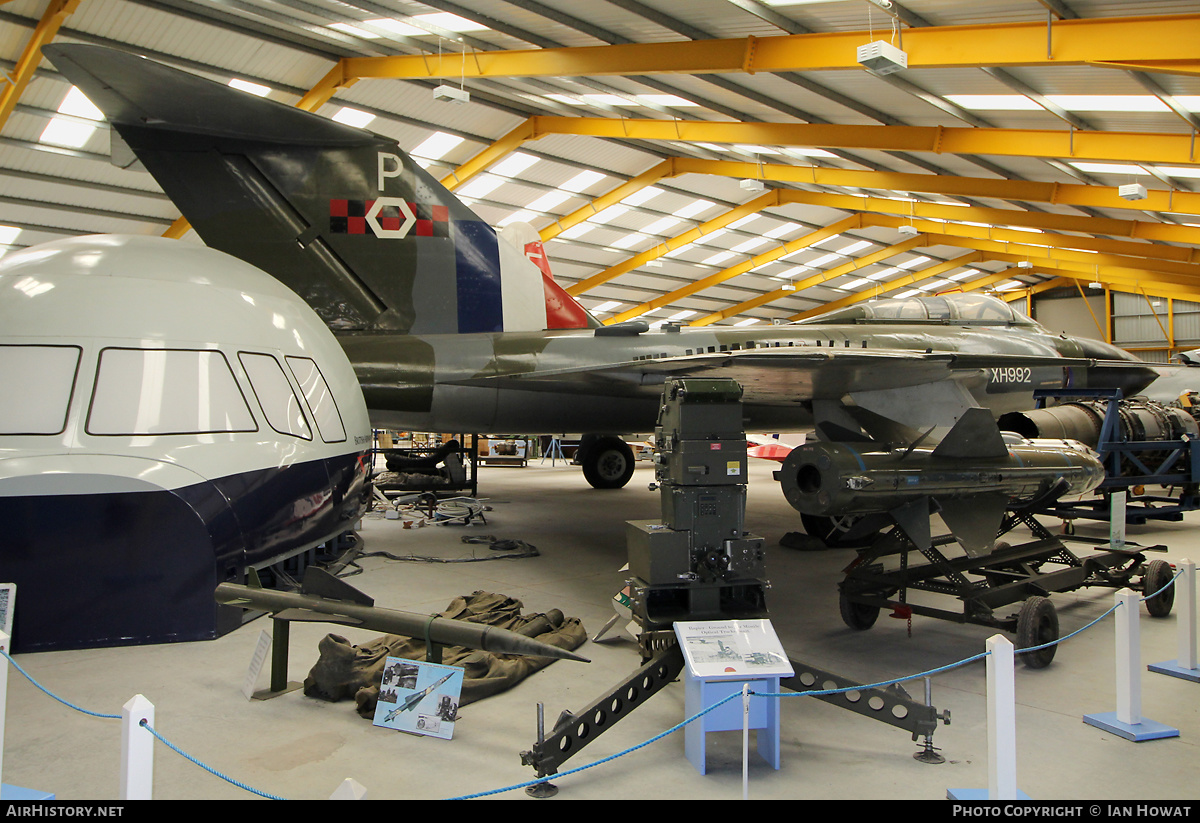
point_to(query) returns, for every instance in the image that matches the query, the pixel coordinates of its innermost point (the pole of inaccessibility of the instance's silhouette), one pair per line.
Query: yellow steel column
(56, 12)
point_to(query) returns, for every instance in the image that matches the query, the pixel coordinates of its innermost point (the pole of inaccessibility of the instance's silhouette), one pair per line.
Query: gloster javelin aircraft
(452, 328)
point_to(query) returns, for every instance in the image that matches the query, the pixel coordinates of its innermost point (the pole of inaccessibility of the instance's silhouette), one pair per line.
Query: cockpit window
(983, 309)
(319, 397)
(38, 382)
(166, 391)
(279, 403)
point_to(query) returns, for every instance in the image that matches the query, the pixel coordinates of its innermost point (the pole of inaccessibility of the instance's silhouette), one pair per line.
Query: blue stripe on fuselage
(477, 271)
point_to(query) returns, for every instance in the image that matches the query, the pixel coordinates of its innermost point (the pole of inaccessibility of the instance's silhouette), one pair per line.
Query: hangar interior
(716, 163)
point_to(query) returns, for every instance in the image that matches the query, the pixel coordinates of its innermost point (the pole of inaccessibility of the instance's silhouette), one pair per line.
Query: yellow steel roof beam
(1062, 194)
(882, 288)
(485, 158)
(1090, 265)
(1144, 147)
(14, 84)
(1046, 245)
(652, 175)
(1160, 40)
(660, 249)
(741, 268)
(1141, 230)
(814, 280)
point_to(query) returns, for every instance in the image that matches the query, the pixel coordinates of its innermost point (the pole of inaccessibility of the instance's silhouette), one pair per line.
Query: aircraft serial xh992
(452, 328)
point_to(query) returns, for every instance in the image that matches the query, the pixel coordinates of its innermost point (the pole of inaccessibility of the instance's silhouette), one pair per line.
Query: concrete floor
(300, 748)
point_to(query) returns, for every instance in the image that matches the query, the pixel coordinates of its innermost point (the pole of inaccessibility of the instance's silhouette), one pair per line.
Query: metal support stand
(280, 685)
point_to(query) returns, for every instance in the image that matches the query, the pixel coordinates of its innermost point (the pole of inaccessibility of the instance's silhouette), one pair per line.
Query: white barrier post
(1002, 720)
(1002, 727)
(137, 749)
(1127, 720)
(1183, 666)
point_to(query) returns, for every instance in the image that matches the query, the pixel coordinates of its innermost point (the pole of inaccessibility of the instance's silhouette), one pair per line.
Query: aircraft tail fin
(342, 216)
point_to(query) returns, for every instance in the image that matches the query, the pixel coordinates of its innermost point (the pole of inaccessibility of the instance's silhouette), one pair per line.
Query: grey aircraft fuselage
(578, 381)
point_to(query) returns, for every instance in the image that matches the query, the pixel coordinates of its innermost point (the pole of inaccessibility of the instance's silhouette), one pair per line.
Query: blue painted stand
(702, 692)
(1137, 732)
(15, 793)
(1172, 668)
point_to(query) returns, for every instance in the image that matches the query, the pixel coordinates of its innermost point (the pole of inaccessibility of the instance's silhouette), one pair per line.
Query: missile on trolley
(970, 478)
(324, 598)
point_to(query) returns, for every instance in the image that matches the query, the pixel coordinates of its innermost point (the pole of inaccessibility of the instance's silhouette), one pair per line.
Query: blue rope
(52, 694)
(204, 766)
(654, 739)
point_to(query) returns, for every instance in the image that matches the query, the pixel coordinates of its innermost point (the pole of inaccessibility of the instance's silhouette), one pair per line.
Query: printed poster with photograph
(419, 697)
(734, 649)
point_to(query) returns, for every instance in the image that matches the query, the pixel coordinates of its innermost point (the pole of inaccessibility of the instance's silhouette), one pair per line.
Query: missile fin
(321, 583)
(974, 520)
(308, 616)
(913, 518)
(974, 435)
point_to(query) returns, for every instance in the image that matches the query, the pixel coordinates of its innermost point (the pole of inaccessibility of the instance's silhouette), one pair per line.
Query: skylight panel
(566, 99)
(670, 100)
(356, 118)
(693, 208)
(250, 88)
(514, 164)
(522, 216)
(578, 230)
(744, 221)
(582, 180)
(994, 102)
(1108, 102)
(607, 306)
(718, 258)
(916, 261)
(436, 146)
(450, 22)
(808, 152)
(355, 31)
(609, 214)
(1179, 171)
(631, 239)
(780, 231)
(642, 196)
(1107, 168)
(549, 200)
(853, 247)
(823, 259)
(854, 284)
(756, 149)
(908, 293)
(662, 225)
(609, 100)
(750, 245)
(396, 27)
(77, 104)
(681, 315)
(62, 132)
(749, 321)
(480, 186)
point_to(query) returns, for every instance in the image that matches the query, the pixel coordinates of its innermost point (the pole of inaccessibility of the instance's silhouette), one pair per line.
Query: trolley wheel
(1158, 574)
(858, 616)
(1037, 624)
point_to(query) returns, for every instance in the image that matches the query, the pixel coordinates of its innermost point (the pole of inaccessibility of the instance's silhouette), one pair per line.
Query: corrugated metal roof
(290, 45)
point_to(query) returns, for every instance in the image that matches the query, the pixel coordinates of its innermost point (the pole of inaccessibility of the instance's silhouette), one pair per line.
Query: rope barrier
(631, 749)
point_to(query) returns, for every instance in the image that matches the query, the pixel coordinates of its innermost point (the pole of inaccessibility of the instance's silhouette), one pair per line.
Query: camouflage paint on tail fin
(340, 215)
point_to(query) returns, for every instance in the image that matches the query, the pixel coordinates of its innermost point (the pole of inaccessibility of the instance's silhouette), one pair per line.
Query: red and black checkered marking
(350, 217)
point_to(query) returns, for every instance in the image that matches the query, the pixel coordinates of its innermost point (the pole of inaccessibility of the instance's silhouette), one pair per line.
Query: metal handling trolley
(1028, 572)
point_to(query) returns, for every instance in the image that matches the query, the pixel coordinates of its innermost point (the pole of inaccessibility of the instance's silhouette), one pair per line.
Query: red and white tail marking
(562, 310)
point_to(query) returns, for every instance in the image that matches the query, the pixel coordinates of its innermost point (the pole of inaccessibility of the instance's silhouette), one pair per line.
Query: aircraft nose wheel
(608, 463)
(1037, 624)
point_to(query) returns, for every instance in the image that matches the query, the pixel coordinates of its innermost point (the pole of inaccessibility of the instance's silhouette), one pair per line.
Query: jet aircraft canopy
(959, 309)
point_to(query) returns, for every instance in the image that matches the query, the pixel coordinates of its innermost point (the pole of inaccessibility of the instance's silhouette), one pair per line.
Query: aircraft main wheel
(608, 463)
(859, 616)
(1037, 624)
(1158, 574)
(832, 531)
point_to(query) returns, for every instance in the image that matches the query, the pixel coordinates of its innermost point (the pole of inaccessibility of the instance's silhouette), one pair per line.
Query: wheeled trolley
(1027, 573)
